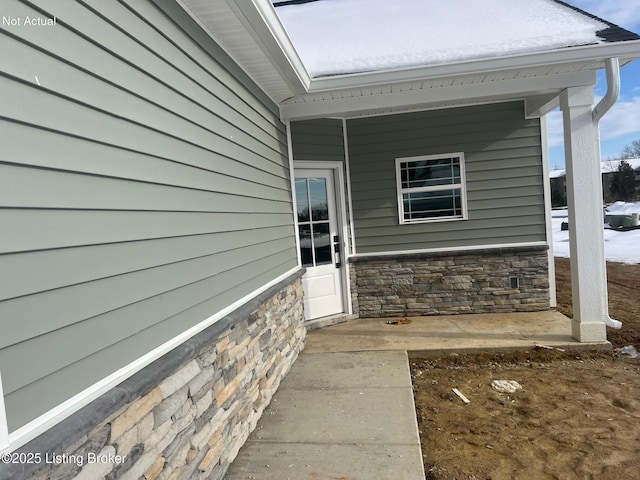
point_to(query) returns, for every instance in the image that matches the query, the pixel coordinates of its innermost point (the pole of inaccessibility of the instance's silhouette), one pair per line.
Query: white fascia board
(473, 93)
(263, 24)
(625, 51)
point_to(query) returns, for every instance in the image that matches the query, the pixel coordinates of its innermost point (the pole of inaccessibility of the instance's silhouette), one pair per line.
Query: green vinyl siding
(504, 181)
(144, 186)
(318, 140)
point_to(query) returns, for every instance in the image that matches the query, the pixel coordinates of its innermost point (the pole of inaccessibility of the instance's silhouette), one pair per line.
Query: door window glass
(306, 248)
(313, 221)
(318, 199)
(302, 199)
(322, 243)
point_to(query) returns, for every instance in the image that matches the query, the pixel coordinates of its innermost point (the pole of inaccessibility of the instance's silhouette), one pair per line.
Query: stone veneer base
(186, 415)
(447, 283)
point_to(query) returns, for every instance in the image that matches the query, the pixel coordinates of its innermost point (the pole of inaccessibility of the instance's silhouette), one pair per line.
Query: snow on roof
(612, 165)
(349, 36)
(608, 166)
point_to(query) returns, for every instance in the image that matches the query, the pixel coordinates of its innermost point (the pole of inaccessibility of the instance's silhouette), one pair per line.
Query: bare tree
(631, 150)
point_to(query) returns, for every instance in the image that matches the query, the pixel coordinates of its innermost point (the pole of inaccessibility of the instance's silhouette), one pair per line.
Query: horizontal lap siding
(503, 158)
(318, 140)
(144, 186)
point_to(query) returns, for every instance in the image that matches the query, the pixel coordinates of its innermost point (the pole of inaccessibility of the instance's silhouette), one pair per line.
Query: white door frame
(341, 216)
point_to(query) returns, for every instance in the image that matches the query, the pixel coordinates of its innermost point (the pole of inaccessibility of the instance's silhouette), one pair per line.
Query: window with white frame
(431, 188)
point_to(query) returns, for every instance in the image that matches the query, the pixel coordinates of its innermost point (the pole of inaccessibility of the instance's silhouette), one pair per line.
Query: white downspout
(613, 89)
(604, 105)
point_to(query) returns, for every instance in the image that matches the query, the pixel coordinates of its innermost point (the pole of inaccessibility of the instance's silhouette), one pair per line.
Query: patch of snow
(619, 246)
(349, 36)
(628, 351)
(506, 386)
(623, 208)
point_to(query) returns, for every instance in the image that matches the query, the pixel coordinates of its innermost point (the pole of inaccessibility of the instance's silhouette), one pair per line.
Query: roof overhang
(626, 52)
(252, 34)
(540, 92)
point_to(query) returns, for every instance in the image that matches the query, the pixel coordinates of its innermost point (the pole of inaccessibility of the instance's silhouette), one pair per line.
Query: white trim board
(292, 181)
(54, 416)
(4, 430)
(449, 249)
(553, 301)
(347, 167)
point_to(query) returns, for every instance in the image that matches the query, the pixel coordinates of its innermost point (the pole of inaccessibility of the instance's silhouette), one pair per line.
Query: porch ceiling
(251, 33)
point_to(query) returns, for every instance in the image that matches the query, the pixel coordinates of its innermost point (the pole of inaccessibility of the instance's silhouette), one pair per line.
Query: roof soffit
(538, 87)
(261, 46)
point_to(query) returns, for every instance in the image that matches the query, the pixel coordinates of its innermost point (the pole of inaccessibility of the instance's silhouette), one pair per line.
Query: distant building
(608, 168)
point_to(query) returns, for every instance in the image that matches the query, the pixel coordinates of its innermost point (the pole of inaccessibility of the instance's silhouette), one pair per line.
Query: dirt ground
(577, 415)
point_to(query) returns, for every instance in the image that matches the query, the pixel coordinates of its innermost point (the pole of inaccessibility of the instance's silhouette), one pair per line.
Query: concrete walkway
(337, 416)
(346, 411)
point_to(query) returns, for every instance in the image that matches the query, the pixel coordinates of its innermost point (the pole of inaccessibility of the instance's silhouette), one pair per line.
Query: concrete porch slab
(438, 335)
(346, 410)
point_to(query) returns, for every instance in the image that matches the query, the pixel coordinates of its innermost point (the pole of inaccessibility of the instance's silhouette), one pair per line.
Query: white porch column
(584, 200)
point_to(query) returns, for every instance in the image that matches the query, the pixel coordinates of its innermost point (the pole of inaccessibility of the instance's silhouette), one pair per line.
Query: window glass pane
(319, 206)
(429, 173)
(302, 199)
(444, 203)
(306, 248)
(322, 243)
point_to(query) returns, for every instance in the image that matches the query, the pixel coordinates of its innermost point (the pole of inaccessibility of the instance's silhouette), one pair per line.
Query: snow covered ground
(619, 246)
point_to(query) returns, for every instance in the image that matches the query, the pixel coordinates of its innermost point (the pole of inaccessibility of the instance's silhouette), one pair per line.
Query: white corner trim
(553, 301)
(292, 178)
(54, 416)
(341, 208)
(448, 249)
(347, 167)
(4, 429)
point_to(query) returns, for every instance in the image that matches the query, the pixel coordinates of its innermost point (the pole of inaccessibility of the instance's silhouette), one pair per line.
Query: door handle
(336, 249)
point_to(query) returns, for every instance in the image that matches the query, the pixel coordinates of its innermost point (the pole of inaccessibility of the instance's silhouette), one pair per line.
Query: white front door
(319, 242)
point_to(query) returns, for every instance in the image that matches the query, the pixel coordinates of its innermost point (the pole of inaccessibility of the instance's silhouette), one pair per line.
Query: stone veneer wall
(450, 282)
(186, 415)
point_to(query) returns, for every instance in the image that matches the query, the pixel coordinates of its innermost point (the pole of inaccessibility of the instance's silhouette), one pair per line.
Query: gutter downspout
(604, 105)
(613, 89)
